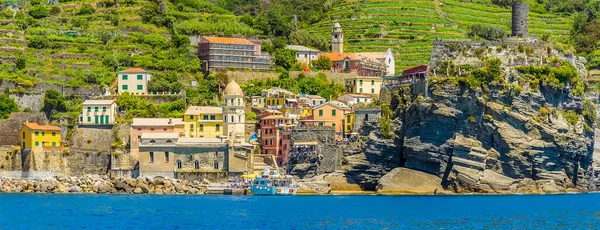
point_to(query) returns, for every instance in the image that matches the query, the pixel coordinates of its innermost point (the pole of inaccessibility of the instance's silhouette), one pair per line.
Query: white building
(352, 99)
(98, 112)
(387, 58)
(133, 80)
(304, 54)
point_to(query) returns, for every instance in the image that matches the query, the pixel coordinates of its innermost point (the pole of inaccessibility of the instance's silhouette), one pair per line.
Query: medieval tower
(337, 39)
(520, 20)
(234, 115)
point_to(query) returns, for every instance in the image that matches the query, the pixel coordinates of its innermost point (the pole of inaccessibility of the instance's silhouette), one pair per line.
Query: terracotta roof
(156, 121)
(195, 110)
(134, 70)
(337, 104)
(339, 57)
(98, 102)
(36, 126)
(240, 41)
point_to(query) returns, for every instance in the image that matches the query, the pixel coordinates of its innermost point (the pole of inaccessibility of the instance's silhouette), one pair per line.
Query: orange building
(140, 126)
(331, 113)
(275, 133)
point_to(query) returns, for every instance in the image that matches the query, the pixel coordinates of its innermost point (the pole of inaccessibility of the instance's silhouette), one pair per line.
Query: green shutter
(140, 77)
(124, 77)
(140, 87)
(333, 112)
(124, 87)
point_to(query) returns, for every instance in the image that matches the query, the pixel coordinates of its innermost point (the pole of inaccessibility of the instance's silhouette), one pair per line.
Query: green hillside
(409, 27)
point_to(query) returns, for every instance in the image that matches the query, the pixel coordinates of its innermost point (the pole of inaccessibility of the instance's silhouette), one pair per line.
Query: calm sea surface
(35, 211)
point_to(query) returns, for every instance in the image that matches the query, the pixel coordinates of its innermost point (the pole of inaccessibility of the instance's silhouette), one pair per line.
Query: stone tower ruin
(520, 20)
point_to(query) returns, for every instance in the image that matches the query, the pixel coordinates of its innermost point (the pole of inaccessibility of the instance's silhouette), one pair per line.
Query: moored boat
(272, 183)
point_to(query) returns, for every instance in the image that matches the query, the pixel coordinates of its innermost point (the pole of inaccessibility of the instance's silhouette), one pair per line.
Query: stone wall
(34, 101)
(245, 76)
(201, 176)
(328, 158)
(75, 163)
(10, 127)
(43, 87)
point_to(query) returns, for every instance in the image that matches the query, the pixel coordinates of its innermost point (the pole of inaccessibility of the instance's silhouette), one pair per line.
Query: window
(205, 117)
(201, 127)
(151, 157)
(192, 127)
(333, 112)
(191, 116)
(166, 156)
(320, 112)
(270, 142)
(266, 142)
(372, 82)
(140, 87)
(53, 143)
(43, 134)
(140, 77)
(103, 108)
(196, 165)
(89, 119)
(333, 125)
(372, 90)
(218, 127)
(124, 77)
(361, 90)
(360, 82)
(23, 135)
(37, 133)
(225, 119)
(37, 143)
(239, 101)
(216, 164)
(152, 141)
(89, 109)
(124, 87)
(212, 117)
(320, 124)
(164, 129)
(151, 129)
(95, 109)
(169, 141)
(179, 165)
(348, 119)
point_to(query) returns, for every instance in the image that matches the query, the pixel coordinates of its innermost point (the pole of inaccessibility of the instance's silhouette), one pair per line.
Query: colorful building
(331, 113)
(37, 137)
(349, 123)
(363, 85)
(281, 99)
(133, 80)
(352, 99)
(140, 126)
(409, 76)
(258, 102)
(98, 112)
(220, 53)
(275, 133)
(203, 121)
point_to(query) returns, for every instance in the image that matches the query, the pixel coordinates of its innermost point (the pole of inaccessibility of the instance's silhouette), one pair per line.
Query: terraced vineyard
(75, 49)
(409, 27)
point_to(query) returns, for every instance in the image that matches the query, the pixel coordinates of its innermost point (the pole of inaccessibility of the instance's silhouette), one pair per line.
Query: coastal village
(220, 148)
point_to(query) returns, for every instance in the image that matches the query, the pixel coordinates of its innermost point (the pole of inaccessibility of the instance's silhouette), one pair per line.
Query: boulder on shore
(408, 181)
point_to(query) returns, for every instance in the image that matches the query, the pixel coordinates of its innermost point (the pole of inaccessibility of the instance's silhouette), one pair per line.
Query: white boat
(272, 183)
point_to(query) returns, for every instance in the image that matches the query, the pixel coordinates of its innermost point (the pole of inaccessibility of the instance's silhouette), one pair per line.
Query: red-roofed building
(220, 53)
(355, 63)
(36, 137)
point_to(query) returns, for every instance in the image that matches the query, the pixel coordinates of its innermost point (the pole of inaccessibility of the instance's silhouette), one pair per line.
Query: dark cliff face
(494, 141)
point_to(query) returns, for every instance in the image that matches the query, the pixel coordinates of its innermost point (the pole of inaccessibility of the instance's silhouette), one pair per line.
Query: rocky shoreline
(103, 185)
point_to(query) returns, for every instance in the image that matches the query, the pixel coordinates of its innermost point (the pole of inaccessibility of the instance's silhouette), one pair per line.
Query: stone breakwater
(103, 185)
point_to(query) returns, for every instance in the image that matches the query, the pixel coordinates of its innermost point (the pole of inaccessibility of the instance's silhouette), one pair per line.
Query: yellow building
(280, 99)
(36, 137)
(349, 122)
(363, 85)
(203, 121)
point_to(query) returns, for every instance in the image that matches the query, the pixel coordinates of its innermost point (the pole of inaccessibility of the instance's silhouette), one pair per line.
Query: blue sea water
(52, 211)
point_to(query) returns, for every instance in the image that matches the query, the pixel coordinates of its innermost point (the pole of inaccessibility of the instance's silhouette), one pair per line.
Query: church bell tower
(337, 39)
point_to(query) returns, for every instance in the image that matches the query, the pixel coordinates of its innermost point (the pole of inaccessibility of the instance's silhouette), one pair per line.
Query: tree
(21, 62)
(180, 41)
(386, 121)
(54, 102)
(37, 42)
(285, 58)
(86, 10)
(38, 12)
(322, 63)
(490, 72)
(7, 106)
(487, 32)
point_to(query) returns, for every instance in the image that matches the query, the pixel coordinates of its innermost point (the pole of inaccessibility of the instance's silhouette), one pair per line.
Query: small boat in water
(272, 183)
